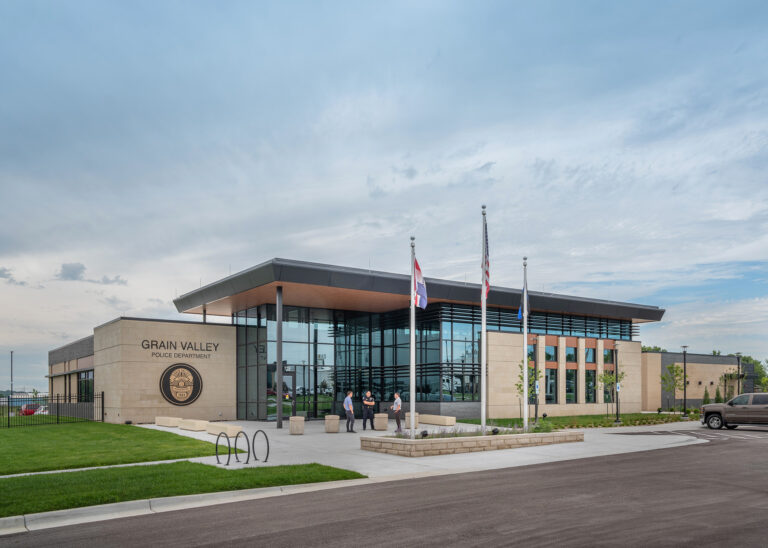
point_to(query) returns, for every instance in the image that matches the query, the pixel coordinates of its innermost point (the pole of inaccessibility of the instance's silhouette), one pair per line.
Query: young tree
(705, 400)
(608, 379)
(520, 384)
(673, 380)
(718, 396)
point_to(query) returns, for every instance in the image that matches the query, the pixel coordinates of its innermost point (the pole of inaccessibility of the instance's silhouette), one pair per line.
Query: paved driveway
(703, 494)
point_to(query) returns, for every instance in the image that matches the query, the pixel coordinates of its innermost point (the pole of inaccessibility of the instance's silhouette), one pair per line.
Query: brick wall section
(468, 444)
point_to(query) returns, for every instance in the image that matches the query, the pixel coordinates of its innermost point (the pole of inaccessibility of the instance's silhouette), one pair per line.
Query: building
(344, 328)
(705, 372)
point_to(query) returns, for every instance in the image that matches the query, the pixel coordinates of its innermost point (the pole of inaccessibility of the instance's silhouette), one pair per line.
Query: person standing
(350, 411)
(368, 403)
(396, 408)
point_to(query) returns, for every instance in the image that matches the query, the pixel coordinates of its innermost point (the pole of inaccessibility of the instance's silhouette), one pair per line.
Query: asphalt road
(709, 494)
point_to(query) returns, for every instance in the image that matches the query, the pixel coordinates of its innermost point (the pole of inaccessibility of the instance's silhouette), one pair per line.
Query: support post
(617, 385)
(412, 329)
(279, 357)
(738, 374)
(685, 382)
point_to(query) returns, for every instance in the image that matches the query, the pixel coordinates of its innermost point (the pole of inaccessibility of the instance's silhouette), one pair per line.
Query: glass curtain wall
(327, 352)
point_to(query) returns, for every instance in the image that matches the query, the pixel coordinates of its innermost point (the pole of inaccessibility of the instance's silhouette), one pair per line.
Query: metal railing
(54, 409)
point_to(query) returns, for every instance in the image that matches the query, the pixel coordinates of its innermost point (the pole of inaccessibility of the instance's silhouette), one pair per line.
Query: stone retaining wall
(466, 444)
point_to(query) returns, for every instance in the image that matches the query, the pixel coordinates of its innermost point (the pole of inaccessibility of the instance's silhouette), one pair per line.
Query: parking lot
(704, 433)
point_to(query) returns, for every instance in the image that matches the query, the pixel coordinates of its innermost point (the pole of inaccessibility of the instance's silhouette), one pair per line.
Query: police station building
(347, 329)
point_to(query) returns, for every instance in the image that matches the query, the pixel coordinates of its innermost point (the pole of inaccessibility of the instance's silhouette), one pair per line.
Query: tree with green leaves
(609, 379)
(705, 400)
(520, 384)
(673, 380)
(718, 396)
(715, 352)
(653, 349)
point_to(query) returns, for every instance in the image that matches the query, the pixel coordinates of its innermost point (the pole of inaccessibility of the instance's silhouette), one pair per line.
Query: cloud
(76, 272)
(5, 274)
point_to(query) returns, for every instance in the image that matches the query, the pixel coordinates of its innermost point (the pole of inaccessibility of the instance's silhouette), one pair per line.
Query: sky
(147, 148)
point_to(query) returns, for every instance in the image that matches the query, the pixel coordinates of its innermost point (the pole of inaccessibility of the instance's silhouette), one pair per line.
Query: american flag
(486, 260)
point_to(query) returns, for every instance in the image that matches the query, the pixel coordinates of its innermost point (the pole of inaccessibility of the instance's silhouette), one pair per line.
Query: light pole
(685, 381)
(11, 394)
(618, 384)
(738, 376)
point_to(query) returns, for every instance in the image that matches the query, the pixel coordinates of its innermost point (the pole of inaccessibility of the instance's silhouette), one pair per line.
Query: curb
(103, 512)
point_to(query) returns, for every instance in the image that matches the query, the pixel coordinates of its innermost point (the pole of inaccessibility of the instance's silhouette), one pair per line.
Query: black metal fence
(54, 409)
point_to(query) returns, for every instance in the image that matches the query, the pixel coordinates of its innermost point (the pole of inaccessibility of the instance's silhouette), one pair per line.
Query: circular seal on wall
(181, 384)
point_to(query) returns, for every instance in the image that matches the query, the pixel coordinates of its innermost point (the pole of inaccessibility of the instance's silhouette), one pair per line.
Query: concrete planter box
(332, 424)
(380, 421)
(296, 425)
(407, 423)
(465, 444)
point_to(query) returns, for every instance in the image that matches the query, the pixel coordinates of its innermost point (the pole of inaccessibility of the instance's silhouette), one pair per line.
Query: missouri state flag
(419, 287)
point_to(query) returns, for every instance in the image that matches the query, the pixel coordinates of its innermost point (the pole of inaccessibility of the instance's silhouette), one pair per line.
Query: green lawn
(589, 421)
(84, 444)
(46, 492)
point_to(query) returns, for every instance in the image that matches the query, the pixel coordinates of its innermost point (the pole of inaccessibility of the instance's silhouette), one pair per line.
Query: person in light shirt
(396, 408)
(350, 411)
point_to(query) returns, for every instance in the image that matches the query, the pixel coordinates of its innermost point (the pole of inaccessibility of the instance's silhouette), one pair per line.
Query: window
(740, 400)
(570, 354)
(760, 399)
(590, 384)
(608, 356)
(550, 353)
(85, 386)
(570, 385)
(532, 352)
(550, 381)
(589, 355)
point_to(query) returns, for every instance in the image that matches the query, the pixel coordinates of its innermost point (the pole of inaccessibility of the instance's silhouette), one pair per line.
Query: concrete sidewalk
(342, 450)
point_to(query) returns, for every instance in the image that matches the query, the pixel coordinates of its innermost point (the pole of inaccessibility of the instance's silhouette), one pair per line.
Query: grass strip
(588, 421)
(47, 492)
(84, 444)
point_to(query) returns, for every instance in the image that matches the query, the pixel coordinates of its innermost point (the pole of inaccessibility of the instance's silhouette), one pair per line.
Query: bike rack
(229, 448)
(247, 446)
(253, 442)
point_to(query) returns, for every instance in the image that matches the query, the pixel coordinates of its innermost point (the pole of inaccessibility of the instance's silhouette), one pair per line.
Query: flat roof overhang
(340, 288)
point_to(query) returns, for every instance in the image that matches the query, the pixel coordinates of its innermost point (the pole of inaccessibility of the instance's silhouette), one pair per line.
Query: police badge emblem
(181, 384)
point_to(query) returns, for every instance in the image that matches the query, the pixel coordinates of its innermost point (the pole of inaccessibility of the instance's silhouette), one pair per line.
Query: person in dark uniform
(368, 403)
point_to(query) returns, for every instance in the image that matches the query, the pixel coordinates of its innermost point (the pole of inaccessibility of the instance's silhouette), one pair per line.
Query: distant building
(705, 371)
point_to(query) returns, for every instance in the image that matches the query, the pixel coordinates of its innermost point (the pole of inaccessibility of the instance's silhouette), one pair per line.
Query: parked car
(43, 410)
(29, 408)
(741, 410)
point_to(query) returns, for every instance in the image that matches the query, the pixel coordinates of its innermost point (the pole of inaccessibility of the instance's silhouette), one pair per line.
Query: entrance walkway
(342, 450)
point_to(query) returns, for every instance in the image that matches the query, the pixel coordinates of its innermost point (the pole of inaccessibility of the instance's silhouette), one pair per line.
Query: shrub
(659, 410)
(706, 399)
(718, 396)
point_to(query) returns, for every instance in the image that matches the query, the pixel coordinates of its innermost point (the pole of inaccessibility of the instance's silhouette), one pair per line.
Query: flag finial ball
(483, 206)
(413, 238)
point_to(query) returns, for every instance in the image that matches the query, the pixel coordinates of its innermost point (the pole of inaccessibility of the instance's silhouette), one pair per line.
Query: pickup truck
(742, 410)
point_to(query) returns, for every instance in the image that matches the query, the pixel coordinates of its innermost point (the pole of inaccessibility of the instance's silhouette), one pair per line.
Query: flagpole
(525, 344)
(413, 338)
(483, 328)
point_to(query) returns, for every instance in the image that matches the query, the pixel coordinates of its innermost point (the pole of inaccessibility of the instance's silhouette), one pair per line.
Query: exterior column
(600, 370)
(560, 374)
(581, 378)
(279, 356)
(541, 360)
